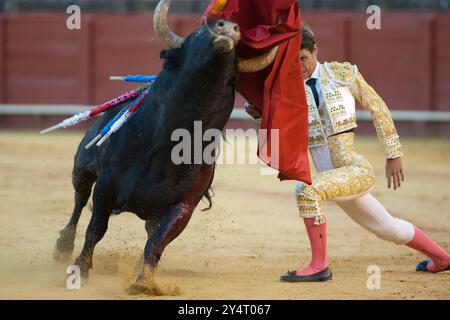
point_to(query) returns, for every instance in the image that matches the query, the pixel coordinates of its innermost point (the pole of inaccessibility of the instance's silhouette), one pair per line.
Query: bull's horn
(258, 63)
(161, 26)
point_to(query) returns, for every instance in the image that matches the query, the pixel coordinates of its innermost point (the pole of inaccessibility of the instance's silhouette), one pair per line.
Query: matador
(345, 176)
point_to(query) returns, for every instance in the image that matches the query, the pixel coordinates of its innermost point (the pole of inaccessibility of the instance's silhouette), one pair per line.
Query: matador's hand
(394, 172)
(251, 110)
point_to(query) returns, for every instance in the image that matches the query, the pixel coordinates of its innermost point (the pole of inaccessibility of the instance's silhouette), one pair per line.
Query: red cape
(278, 91)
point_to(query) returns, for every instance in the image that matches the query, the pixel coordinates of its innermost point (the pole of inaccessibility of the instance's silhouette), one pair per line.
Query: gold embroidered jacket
(341, 84)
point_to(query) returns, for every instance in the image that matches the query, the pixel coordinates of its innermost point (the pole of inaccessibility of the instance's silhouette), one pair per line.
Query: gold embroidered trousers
(351, 177)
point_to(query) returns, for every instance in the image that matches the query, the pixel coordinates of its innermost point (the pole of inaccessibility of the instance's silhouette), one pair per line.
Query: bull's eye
(221, 23)
(236, 28)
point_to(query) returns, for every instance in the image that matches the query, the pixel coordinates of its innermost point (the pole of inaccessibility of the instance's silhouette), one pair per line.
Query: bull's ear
(171, 57)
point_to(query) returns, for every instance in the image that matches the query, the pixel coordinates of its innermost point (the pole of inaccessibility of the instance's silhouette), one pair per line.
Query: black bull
(133, 171)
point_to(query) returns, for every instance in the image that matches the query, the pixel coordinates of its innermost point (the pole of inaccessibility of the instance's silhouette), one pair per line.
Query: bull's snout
(227, 35)
(229, 29)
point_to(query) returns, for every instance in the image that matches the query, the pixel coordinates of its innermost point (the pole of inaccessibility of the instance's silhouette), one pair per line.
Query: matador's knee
(309, 202)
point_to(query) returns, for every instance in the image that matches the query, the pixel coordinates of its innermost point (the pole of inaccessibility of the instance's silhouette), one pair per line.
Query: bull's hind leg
(82, 184)
(102, 199)
(160, 233)
(163, 230)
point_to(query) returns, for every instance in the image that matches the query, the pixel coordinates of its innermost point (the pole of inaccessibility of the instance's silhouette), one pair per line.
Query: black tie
(312, 84)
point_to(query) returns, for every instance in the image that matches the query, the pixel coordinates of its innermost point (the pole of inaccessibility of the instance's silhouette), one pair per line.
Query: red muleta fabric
(277, 92)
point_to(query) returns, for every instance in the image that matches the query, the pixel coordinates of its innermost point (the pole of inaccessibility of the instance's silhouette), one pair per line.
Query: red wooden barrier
(442, 63)
(407, 61)
(331, 34)
(86, 60)
(42, 60)
(2, 58)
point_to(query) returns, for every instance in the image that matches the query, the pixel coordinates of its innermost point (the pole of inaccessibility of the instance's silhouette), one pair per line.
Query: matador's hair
(308, 38)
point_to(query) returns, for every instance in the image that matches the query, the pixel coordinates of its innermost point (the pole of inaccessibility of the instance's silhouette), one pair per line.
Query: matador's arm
(381, 116)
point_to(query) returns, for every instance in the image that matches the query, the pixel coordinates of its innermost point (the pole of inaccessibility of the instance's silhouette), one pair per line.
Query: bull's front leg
(160, 233)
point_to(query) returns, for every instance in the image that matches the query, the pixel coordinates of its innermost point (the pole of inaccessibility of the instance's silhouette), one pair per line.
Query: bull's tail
(208, 195)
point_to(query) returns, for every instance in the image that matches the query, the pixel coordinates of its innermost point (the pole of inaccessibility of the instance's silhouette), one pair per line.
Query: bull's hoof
(146, 285)
(84, 268)
(65, 244)
(148, 289)
(61, 256)
(84, 273)
(151, 288)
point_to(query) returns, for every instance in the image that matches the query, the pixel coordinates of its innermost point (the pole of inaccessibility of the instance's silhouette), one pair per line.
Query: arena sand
(237, 250)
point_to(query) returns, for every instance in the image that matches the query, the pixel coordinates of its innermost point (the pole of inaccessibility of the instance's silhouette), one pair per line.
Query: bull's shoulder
(341, 72)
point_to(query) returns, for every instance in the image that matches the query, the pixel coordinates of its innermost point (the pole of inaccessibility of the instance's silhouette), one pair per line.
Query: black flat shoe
(422, 267)
(321, 276)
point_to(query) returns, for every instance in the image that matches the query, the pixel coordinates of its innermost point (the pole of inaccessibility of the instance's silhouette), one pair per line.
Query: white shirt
(316, 75)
